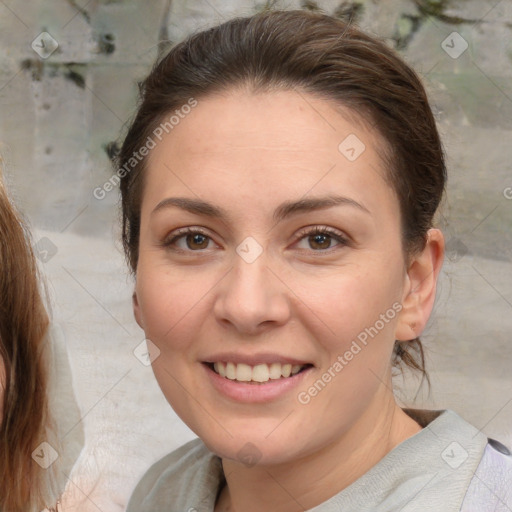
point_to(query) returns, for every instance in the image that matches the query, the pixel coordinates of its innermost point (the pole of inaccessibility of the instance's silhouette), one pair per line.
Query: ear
(420, 287)
(136, 310)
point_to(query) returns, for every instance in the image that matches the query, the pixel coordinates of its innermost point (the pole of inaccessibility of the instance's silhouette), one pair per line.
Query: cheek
(356, 301)
(169, 302)
(362, 311)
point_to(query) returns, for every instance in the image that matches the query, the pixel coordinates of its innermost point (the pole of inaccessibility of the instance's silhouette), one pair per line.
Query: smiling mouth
(258, 374)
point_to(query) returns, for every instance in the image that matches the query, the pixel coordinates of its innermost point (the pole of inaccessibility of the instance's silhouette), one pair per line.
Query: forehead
(280, 119)
(268, 145)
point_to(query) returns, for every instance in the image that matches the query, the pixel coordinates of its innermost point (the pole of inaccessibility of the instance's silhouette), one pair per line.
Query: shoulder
(183, 478)
(491, 486)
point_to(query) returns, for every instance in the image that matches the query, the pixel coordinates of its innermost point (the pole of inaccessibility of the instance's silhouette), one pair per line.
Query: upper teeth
(258, 373)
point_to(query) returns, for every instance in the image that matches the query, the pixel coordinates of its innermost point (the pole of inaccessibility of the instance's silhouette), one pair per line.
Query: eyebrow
(283, 211)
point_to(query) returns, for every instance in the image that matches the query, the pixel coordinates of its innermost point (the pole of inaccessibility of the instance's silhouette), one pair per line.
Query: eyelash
(306, 232)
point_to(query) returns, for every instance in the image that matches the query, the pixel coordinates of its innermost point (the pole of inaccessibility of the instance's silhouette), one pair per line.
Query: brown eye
(195, 240)
(320, 239)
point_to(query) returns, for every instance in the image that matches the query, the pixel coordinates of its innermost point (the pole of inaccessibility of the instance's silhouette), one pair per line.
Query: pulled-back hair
(311, 53)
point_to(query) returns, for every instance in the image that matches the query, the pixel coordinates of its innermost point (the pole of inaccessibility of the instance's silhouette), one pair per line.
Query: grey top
(430, 471)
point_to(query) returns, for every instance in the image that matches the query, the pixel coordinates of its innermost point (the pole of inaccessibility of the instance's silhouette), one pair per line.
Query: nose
(252, 297)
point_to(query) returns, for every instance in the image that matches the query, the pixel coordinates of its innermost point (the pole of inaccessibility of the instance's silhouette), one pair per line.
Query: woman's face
(258, 289)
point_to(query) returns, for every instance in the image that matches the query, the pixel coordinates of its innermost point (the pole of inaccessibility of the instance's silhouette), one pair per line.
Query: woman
(29, 446)
(279, 184)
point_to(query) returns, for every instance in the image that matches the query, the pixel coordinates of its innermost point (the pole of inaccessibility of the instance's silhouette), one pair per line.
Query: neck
(303, 484)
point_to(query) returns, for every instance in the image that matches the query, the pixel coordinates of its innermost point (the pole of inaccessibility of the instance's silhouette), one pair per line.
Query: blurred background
(68, 85)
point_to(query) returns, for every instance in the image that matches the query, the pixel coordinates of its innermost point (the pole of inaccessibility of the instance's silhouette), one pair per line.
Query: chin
(250, 449)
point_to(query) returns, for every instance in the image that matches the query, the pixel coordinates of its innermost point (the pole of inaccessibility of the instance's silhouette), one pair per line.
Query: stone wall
(60, 111)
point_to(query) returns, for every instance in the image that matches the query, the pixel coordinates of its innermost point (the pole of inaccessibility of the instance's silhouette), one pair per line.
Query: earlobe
(136, 310)
(420, 287)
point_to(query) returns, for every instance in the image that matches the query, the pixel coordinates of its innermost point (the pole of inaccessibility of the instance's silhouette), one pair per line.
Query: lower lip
(255, 393)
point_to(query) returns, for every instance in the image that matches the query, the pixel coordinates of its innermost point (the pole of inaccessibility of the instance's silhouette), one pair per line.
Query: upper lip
(253, 359)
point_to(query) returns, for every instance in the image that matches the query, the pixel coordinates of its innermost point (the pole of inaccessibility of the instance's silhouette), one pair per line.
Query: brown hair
(24, 486)
(317, 54)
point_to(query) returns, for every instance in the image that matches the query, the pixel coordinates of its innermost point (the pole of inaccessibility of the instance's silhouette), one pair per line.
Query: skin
(248, 153)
